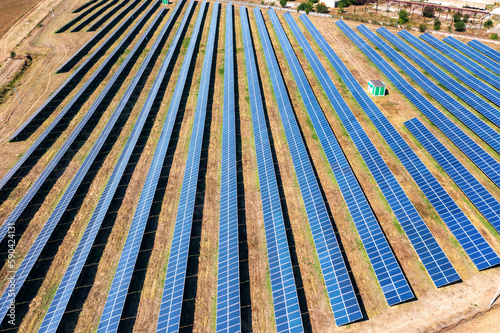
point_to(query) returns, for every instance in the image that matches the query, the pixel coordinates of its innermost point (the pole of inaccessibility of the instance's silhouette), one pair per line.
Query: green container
(376, 87)
(165, 2)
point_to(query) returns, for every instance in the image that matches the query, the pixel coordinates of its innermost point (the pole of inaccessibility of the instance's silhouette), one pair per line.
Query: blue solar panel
(173, 289)
(485, 132)
(469, 147)
(426, 246)
(473, 54)
(438, 197)
(46, 134)
(493, 54)
(286, 304)
(78, 178)
(228, 274)
(384, 263)
(338, 283)
(77, 75)
(463, 92)
(116, 298)
(472, 66)
(70, 278)
(473, 243)
(467, 78)
(472, 188)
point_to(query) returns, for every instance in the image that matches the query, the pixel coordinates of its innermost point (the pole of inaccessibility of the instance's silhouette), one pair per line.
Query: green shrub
(321, 8)
(459, 26)
(494, 36)
(488, 24)
(403, 16)
(428, 11)
(422, 27)
(437, 24)
(12, 54)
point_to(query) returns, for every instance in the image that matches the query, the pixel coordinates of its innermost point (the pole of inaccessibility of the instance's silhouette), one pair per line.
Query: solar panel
(99, 35)
(424, 243)
(382, 259)
(70, 278)
(478, 126)
(285, 301)
(485, 49)
(482, 88)
(473, 243)
(53, 101)
(98, 13)
(228, 274)
(438, 197)
(116, 298)
(472, 188)
(473, 54)
(337, 280)
(460, 90)
(484, 161)
(173, 289)
(79, 17)
(74, 136)
(463, 60)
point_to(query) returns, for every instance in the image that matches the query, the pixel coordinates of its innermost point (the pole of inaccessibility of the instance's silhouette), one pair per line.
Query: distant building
(376, 87)
(331, 3)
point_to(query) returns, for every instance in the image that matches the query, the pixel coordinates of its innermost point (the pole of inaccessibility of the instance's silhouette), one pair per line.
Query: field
(461, 307)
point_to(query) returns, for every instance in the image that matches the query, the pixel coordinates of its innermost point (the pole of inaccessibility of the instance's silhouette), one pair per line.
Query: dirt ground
(458, 308)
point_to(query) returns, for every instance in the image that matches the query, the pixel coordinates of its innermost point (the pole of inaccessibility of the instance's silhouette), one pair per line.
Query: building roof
(377, 83)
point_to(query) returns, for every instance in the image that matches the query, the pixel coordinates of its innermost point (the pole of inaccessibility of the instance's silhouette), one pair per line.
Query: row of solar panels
(339, 286)
(94, 12)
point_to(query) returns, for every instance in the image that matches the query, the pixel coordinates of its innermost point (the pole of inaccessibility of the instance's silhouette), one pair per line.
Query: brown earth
(434, 310)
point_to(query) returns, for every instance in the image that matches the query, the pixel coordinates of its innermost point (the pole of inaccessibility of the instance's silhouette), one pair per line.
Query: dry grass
(433, 309)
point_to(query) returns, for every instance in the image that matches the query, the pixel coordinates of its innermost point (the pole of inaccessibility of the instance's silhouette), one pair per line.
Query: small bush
(437, 24)
(283, 3)
(457, 17)
(488, 24)
(494, 36)
(403, 16)
(428, 11)
(459, 26)
(12, 54)
(308, 7)
(321, 8)
(422, 27)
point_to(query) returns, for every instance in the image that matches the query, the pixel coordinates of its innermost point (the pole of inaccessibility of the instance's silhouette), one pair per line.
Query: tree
(457, 17)
(12, 54)
(459, 26)
(466, 18)
(488, 24)
(422, 27)
(437, 24)
(283, 3)
(321, 8)
(302, 6)
(494, 36)
(308, 7)
(428, 11)
(403, 16)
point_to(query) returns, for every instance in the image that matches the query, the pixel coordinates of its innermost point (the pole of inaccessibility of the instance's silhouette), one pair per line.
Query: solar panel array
(430, 253)
(472, 188)
(493, 54)
(482, 88)
(469, 147)
(79, 17)
(337, 280)
(173, 289)
(121, 280)
(387, 270)
(99, 35)
(70, 278)
(285, 301)
(473, 54)
(36, 118)
(463, 92)
(469, 238)
(228, 273)
(463, 60)
(74, 136)
(478, 126)
(96, 14)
